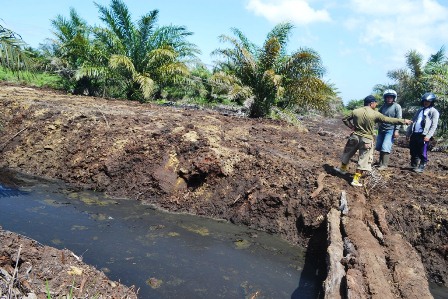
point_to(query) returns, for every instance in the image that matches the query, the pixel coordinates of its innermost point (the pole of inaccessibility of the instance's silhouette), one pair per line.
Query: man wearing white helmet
(387, 132)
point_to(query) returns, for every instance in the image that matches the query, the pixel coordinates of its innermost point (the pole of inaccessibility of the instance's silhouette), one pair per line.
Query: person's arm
(409, 132)
(399, 114)
(434, 123)
(391, 120)
(348, 121)
(410, 128)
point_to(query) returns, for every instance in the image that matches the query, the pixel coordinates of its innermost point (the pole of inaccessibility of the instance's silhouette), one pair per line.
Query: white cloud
(384, 8)
(296, 11)
(406, 25)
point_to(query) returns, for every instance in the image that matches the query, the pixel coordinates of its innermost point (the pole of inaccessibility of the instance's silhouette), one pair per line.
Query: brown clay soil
(265, 174)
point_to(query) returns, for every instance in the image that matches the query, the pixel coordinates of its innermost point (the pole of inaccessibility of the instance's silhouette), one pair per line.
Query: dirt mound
(31, 270)
(260, 173)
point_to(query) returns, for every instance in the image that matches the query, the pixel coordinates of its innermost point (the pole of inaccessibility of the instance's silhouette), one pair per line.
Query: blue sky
(359, 40)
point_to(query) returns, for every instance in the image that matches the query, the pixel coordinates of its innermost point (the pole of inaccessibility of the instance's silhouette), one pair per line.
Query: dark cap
(369, 99)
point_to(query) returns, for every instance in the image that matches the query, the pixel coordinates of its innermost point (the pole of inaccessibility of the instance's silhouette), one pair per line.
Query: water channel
(192, 257)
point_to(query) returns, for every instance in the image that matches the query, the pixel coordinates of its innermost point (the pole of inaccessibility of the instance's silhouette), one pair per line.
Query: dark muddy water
(188, 256)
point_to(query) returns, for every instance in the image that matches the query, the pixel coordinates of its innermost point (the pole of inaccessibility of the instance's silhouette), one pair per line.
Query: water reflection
(9, 192)
(165, 255)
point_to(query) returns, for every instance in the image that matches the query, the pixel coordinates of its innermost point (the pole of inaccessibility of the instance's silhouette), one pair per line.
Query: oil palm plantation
(269, 76)
(144, 56)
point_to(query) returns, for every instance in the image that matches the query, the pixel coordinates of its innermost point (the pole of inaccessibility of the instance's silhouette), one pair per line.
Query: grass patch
(32, 79)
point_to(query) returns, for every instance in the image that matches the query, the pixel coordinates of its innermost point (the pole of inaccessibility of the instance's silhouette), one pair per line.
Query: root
(2, 147)
(11, 283)
(320, 185)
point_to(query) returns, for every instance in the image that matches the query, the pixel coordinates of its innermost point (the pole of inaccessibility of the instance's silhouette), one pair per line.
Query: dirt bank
(43, 271)
(260, 173)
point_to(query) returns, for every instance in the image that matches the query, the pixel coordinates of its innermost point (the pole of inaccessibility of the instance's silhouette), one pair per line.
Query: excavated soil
(43, 271)
(265, 174)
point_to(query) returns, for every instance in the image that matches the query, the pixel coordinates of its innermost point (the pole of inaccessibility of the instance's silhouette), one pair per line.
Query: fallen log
(366, 260)
(336, 271)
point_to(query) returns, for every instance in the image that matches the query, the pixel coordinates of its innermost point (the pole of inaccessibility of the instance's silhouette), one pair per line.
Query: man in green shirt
(362, 121)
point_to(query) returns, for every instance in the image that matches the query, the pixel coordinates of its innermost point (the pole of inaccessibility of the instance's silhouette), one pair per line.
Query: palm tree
(436, 74)
(147, 57)
(12, 53)
(268, 76)
(410, 82)
(71, 50)
(413, 81)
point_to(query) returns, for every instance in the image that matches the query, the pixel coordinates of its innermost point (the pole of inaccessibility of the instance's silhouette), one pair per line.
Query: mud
(262, 173)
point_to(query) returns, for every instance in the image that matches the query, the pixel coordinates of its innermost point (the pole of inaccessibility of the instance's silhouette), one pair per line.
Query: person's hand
(426, 139)
(408, 121)
(396, 134)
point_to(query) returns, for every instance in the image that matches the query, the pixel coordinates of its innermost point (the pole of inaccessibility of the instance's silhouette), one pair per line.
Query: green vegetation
(419, 77)
(12, 54)
(353, 104)
(37, 79)
(143, 61)
(134, 60)
(269, 76)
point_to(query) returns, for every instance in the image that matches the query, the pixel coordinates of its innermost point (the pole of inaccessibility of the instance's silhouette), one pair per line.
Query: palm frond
(438, 57)
(270, 54)
(245, 42)
(414, 61)
(120, 60)
(311, 93)
(175, 37)
(174, 70)
(281, 32)
(117, 19)
(146, 27)
(147, 85)
(231, 84)
(272, 76)
(12, 54)
(92, 72)
(304, 62)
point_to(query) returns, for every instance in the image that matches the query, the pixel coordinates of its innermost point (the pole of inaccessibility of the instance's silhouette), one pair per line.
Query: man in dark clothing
(423, 128)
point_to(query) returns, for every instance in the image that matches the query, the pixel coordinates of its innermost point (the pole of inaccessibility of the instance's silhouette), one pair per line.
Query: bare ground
(265, 174)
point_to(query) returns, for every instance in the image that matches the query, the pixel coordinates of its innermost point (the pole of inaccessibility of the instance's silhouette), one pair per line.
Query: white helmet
(390, 92)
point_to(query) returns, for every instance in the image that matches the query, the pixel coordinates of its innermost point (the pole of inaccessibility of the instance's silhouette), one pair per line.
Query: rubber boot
(380, 159)
(343, 169)
(420, 168)
(380, 162)
(355, 181)
(384, 161)
(414, 163)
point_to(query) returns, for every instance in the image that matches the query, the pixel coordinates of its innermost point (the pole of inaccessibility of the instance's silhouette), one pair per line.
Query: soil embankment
(261, 173)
